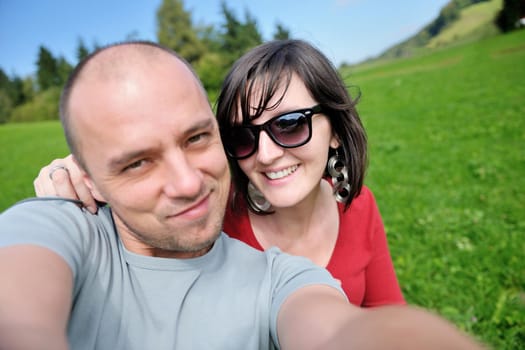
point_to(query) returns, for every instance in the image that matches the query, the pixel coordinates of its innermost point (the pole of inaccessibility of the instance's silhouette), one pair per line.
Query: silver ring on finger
(55, 168)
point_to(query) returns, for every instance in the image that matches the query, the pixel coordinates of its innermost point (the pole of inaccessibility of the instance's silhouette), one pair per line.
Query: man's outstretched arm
(35, 298)
(318, 317)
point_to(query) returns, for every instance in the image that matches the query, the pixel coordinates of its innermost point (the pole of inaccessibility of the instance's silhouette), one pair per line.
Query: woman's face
(288, 176)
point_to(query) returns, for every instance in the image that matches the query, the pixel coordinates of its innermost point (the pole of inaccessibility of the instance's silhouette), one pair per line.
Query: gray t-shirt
(227, 299)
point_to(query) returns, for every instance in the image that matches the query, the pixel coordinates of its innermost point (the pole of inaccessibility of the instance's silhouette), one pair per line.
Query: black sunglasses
(288, 130)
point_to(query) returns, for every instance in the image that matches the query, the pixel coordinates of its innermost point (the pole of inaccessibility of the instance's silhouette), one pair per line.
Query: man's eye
(198, 137)
(135, 165)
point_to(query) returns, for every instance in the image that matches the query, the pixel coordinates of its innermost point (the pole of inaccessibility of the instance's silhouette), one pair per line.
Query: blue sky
(345, 30)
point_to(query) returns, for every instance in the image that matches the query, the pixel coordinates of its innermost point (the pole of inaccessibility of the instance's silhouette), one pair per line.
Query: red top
(360, 260)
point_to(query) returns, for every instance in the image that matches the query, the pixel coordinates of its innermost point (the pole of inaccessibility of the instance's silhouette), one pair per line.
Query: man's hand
(318, 317)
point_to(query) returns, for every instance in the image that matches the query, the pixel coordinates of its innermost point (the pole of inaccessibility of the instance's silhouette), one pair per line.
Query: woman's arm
(63, 178)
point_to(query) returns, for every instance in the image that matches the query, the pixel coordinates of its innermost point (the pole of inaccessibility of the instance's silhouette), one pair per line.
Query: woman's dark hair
(267, 68)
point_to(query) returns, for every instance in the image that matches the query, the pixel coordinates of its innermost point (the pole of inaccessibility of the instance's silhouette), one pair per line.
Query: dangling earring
(339, 173)
(256, 198)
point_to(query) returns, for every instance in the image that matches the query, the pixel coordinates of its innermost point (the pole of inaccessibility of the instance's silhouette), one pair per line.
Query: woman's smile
(275, 175)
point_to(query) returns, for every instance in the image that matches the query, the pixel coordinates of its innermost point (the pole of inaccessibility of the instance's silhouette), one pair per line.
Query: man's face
(152, 148)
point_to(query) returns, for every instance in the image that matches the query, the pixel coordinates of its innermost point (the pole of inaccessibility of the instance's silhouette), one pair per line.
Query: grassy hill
(468, 23)
(447, 166)
(475, 22)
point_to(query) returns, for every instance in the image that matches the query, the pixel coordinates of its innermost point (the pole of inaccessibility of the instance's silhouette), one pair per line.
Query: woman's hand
(63, 178)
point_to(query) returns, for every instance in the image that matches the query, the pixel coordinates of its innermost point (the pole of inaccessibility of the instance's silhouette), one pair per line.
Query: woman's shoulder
(364, 200)
(363, 213)
(366, 192)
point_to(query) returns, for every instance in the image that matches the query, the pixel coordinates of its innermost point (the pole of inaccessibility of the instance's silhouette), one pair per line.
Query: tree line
(211, 49)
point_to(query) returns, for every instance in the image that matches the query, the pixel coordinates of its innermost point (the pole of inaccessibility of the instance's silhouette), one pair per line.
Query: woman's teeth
(281, 173)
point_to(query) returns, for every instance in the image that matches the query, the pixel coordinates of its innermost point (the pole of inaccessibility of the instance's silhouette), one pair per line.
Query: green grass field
(447, 166)
(25, 149)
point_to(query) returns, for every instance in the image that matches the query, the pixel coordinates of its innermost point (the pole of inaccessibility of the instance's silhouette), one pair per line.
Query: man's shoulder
(50, 206)
(48, 218)
(44, 203)
(37, 210)
(61, 226)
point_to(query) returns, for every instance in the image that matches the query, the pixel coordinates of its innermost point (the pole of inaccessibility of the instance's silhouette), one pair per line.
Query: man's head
(140, 126)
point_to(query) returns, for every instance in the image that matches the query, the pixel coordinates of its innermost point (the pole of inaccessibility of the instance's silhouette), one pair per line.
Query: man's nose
(182, 178)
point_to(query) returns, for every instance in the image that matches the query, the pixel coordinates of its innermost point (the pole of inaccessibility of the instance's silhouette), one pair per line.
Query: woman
(297, 151)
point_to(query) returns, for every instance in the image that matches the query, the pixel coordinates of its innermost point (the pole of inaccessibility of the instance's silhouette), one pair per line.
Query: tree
(281, 33)
(211, 70)
(44, 106)
(175, 30)
(5, 107)
(64, 69)
(47, 71)
(238, 37)
(82, 50)
(12, 93)
(28, 88)
(51, 71)
(508, 17)
(4, 80)
(16, 91)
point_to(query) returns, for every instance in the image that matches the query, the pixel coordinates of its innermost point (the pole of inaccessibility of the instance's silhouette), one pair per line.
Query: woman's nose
(268, 150)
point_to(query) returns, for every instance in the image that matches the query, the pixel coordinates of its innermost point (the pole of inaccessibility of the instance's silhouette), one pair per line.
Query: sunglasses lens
(241, 142)
(288, 130)
(291, 129)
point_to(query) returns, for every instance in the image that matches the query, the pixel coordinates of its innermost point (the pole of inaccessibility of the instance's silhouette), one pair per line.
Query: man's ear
(89, 183)
(92, 188)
